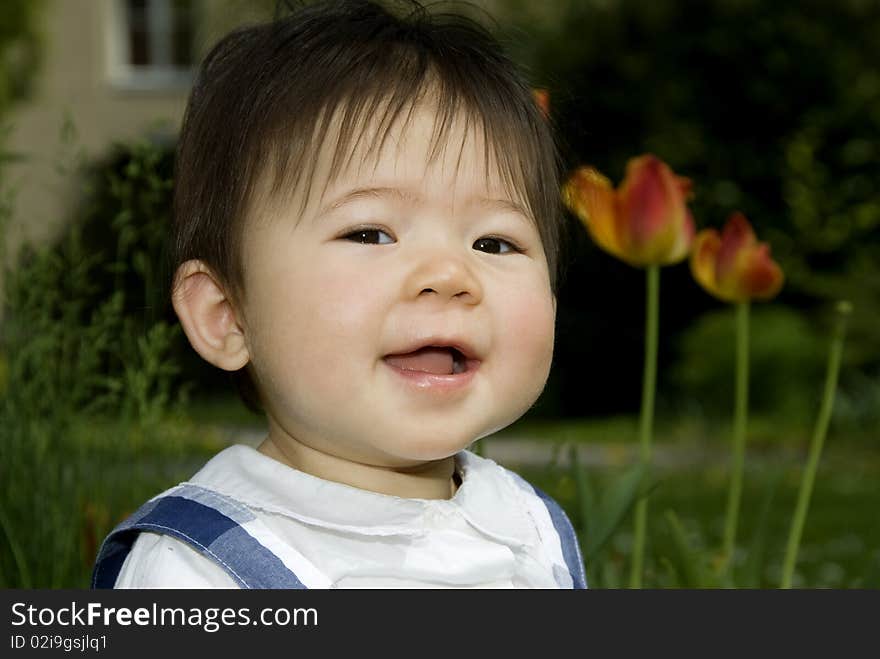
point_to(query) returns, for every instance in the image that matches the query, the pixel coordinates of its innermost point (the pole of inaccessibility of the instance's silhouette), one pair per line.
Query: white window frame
(162, 74)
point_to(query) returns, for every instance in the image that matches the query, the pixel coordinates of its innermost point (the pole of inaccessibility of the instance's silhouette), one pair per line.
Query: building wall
(74, 87)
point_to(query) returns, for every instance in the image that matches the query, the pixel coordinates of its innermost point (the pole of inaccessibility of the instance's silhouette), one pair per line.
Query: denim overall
(228, 533)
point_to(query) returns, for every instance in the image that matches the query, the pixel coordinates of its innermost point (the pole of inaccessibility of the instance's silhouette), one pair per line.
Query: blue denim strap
(214, 525)
(568, 538)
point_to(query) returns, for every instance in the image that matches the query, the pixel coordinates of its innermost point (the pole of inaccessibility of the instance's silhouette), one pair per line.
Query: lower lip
(437, 383)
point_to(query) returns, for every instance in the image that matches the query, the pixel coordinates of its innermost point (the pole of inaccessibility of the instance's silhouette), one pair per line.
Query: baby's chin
(425, 445)
(411, 454)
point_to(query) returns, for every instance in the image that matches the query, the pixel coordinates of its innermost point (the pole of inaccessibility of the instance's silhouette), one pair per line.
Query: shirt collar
(487, 498)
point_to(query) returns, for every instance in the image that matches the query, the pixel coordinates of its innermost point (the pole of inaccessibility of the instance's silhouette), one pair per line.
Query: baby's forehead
(407, 144)
(410, 161)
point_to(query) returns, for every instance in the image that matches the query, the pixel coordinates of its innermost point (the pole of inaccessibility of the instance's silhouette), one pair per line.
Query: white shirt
(493, 533)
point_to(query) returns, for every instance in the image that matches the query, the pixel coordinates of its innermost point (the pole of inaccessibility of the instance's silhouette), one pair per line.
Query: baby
(366, 227)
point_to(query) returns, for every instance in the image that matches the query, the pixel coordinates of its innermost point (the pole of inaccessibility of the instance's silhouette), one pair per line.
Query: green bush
(21, 49)
(124, 219)
(858, 404)
(787, 362)
(88, 390)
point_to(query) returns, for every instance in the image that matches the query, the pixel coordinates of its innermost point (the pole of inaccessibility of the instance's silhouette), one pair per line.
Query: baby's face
(339, 301)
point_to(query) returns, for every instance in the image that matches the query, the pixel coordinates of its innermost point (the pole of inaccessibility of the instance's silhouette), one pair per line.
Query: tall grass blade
(614, 507)
(844, 309)
(586, 496)
(752, 571)
(689, 561)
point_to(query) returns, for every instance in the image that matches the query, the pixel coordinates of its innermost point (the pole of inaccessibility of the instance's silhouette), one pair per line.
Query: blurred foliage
(773, 108)
(80, 303)
(124, 219)
(89, 382)
(788, 358)
(787, 363)
(840, 544)
(21, 49)
(21, 55)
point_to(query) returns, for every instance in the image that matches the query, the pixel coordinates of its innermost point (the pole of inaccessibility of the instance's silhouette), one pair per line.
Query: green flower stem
(809, 475)
(740, 422)
(646, 420)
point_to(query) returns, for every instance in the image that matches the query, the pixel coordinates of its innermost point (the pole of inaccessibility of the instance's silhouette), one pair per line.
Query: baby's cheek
(347, 309)
(305, 335)
(341, 326)
(528, 336)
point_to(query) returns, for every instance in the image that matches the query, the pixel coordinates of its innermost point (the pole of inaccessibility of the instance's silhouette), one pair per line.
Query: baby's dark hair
(266, 95)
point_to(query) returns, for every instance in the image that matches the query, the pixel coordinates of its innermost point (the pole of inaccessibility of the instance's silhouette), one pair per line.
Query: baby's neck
(430, 480)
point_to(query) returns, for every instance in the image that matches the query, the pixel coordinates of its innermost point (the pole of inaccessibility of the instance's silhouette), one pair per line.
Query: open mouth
(439, 360)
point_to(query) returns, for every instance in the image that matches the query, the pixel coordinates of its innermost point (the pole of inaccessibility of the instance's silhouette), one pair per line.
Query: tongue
(427, 360)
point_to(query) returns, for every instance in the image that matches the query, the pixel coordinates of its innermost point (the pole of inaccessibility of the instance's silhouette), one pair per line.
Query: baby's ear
(208, 317)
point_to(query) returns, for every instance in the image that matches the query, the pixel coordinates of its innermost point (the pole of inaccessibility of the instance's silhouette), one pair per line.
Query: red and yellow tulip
(645, 222)
(733, 266)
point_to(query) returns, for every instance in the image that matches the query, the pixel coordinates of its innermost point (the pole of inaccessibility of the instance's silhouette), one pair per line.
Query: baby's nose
(446, 276)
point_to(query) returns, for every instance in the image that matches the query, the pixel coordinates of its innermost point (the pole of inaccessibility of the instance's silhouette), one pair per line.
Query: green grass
(764, 431)
(62, 498)
(841, 542)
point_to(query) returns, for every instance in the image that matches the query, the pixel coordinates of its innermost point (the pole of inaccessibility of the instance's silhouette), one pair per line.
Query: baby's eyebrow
(503, 205)
(414, 198)
(398, 194)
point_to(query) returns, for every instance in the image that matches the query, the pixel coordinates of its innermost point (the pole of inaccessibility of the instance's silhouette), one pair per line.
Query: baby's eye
(496, 246)
(368, 237)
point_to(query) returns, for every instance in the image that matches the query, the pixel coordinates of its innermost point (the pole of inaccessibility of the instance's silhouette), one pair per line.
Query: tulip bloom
(645, 222)
(734, 266)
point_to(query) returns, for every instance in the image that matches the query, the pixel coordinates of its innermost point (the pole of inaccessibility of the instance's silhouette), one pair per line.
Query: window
(152, 43)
